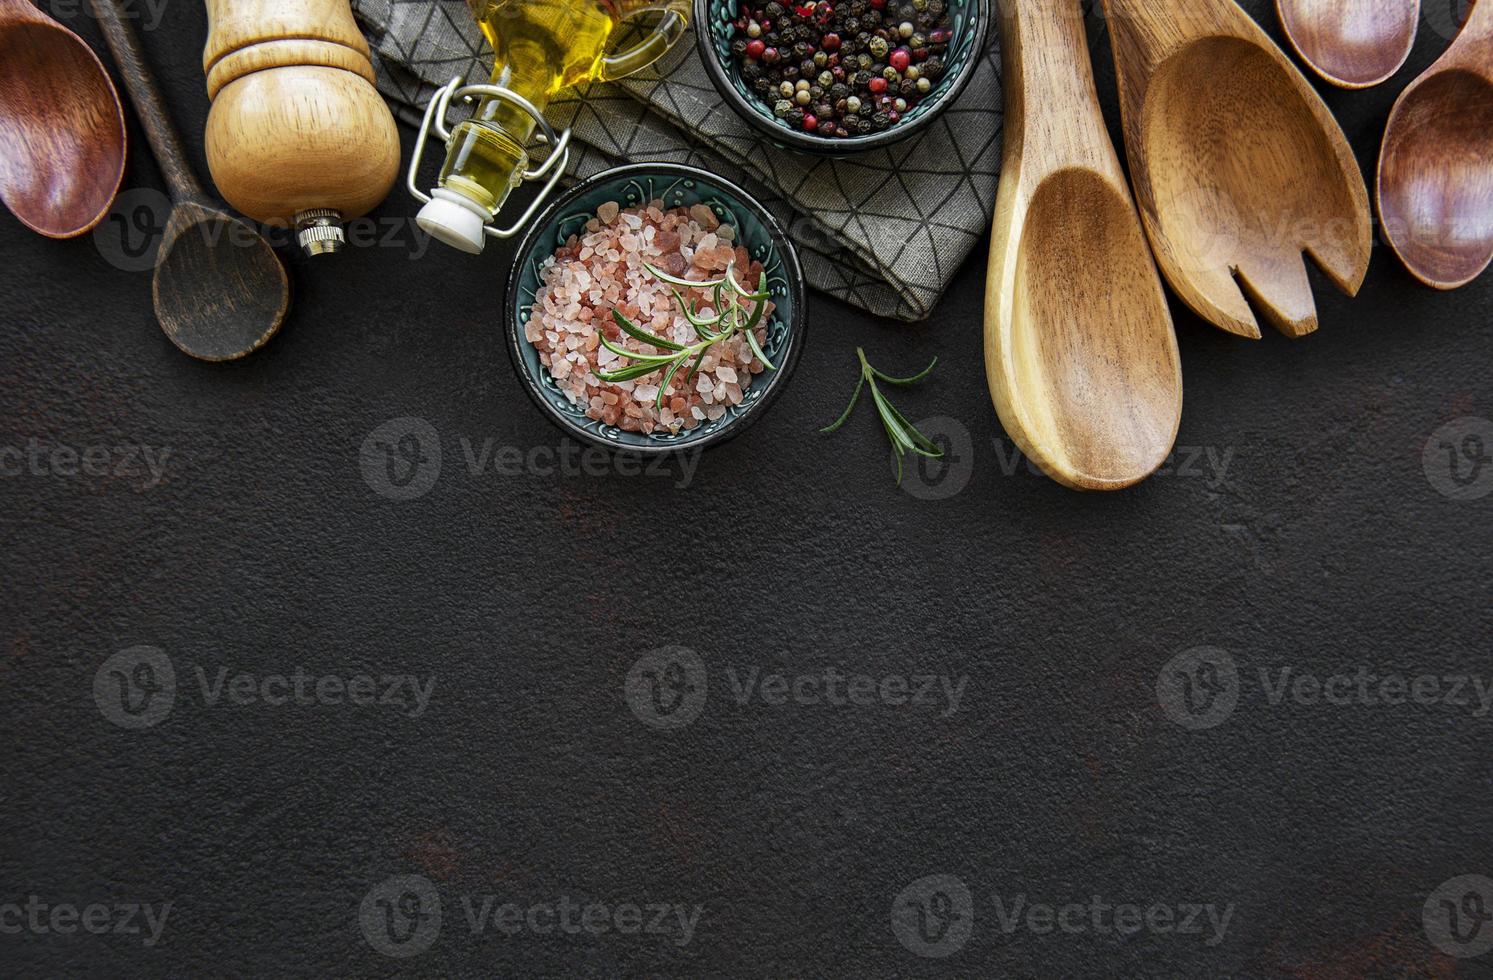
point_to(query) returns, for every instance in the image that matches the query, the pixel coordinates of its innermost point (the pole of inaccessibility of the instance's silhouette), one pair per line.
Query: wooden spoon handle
(146, 98)
(1050, 84)
(1473, 48)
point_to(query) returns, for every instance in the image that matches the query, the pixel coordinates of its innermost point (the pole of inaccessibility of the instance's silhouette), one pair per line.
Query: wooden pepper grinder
(297, 134)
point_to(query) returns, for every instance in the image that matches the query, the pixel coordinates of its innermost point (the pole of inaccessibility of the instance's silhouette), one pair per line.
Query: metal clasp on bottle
(435, 121)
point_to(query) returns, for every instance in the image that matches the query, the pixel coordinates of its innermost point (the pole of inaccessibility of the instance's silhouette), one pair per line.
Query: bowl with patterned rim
(715, 30)
(675, 185)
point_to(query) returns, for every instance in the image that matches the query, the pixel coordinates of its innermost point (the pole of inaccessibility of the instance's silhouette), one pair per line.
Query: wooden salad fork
(1238, 165)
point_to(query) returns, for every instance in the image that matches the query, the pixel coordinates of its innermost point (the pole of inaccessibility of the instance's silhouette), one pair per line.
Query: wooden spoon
(1079, 349)
(1436, 163)
(1238, 165)
(220, 290)
(62, 136)
(1351, 43)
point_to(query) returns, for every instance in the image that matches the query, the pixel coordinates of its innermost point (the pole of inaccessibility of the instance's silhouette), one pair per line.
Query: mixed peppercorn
(845, 68)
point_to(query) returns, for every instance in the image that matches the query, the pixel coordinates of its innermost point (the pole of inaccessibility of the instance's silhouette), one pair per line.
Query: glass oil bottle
(540, 47)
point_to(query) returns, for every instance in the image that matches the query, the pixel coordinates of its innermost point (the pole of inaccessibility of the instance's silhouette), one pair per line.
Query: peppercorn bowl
(566, 233)
(921, 52)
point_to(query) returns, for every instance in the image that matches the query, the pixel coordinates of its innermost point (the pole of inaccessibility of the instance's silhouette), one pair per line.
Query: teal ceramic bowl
(713, 36)
(675, 185)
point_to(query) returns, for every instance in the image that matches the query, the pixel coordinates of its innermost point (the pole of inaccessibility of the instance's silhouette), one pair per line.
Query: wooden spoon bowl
(1351, 43)
(220, 290)
(1079, 349)
(1436, 162)
(1238, 166)
(62, 133)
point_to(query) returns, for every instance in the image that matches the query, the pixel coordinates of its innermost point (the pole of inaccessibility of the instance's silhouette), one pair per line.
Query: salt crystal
(698, 413)
(706, 218)
(725, 373)
(608, 212)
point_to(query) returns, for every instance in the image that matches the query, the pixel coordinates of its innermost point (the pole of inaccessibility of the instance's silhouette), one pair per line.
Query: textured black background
(1324, 547)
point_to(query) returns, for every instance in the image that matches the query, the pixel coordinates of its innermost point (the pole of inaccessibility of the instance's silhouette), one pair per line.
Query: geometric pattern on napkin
(884, 230)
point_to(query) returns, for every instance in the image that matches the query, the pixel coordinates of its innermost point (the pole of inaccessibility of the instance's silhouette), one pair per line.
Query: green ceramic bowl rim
(543, 228)
(947, 92)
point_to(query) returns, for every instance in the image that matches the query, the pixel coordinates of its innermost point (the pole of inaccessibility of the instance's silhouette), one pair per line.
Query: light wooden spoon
(1436, 163)
(1351, 43)
(1238, 165)
(1079, 349)
(62, 135)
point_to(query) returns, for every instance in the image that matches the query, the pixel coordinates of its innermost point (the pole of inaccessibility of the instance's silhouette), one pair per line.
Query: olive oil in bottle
(540, 47)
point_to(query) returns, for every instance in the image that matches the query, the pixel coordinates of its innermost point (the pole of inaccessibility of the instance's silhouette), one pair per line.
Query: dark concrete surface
(1311, 525)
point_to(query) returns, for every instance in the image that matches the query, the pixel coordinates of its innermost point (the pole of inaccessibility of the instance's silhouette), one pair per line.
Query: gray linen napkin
(885, 230)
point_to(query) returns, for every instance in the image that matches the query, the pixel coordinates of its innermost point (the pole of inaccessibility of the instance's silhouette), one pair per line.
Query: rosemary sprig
(729, 317)
(903, 434)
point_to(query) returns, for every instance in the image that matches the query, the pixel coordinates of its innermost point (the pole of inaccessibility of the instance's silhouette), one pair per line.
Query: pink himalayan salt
(601, 270)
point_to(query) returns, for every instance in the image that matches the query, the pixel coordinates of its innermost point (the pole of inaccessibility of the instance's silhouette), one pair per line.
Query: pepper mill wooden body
(297, 134)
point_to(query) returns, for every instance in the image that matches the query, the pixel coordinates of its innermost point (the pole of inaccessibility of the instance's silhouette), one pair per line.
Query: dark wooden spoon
(1436, 163)
(220, 290)
(62, 136)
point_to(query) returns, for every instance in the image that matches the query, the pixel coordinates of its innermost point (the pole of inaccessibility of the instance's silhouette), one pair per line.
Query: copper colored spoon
(62, 141)
(1351, 43)
(1436, 164)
